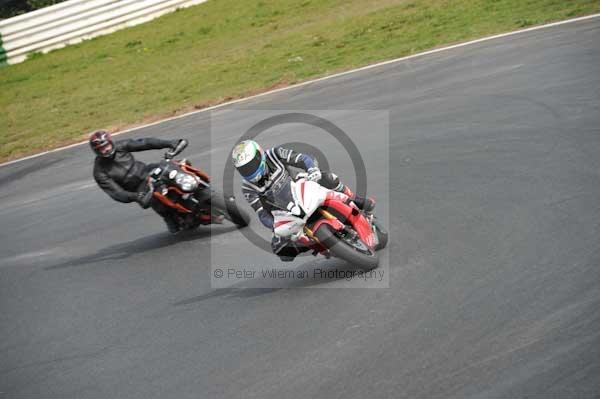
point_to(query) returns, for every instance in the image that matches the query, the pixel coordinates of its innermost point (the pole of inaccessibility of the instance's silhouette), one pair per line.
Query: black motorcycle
(187, 192)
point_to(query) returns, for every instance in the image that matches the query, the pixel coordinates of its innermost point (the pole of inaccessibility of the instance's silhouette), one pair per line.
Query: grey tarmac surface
(494, 257)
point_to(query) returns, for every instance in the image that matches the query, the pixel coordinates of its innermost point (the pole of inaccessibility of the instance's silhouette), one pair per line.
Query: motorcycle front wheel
(229, 209)
(382, 235)
(354, 252)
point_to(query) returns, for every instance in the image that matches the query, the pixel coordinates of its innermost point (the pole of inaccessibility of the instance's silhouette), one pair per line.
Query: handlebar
(177, 150)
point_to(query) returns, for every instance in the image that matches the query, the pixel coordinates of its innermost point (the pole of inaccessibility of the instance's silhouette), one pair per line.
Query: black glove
(143, 198)
(177, 147)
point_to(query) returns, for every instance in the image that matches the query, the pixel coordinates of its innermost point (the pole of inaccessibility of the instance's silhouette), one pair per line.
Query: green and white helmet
(249, 159)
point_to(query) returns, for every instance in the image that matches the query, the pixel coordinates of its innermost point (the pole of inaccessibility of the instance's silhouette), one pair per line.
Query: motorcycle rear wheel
(340, 248)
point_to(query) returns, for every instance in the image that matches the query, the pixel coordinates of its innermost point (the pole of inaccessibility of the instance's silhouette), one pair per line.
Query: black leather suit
(122, 177)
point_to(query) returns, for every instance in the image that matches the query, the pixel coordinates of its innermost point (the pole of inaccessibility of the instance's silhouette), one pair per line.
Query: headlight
(186, 182)
(156, 172)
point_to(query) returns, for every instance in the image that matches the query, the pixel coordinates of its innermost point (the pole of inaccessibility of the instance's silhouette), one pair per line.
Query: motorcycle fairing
(189, 169)
(168, 202)
(287, 225)
(310, 196)
(352, 214)
(306, 198)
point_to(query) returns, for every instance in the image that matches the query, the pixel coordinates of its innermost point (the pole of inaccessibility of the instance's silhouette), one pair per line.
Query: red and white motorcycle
(328, 222)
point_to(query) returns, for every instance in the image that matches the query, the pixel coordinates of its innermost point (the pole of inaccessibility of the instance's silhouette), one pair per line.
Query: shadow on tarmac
(140, 245)
(247, 290)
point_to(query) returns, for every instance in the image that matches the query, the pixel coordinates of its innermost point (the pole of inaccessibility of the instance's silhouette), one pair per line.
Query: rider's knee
(284, 249)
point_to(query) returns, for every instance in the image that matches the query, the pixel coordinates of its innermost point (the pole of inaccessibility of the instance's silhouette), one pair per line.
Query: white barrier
(75, 20)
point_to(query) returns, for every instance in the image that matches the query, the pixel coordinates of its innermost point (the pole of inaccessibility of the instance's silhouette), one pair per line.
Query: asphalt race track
(494, 254)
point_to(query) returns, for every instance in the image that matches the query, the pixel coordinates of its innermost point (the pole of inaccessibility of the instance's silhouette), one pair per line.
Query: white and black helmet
(249, 159)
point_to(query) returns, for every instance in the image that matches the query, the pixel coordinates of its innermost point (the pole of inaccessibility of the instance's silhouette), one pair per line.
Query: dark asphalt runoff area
(494, 258)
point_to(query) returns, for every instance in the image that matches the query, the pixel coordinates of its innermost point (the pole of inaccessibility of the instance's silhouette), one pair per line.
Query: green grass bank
(225, 49)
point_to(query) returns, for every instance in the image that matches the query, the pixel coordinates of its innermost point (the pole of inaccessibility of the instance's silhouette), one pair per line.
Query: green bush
(36, 4)
(12, 8)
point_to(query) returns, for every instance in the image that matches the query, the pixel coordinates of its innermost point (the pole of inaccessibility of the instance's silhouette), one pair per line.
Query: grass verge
(225, 49)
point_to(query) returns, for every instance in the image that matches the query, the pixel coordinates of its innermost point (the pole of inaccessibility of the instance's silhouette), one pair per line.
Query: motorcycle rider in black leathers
(266, 172)
(123, 178)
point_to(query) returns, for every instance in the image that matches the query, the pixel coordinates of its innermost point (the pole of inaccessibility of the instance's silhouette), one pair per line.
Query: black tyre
(382, 235)
(357, 253)
(229, 209)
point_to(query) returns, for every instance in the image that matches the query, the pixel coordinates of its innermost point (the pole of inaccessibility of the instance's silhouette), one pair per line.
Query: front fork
(311, 236)
(326, 215)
